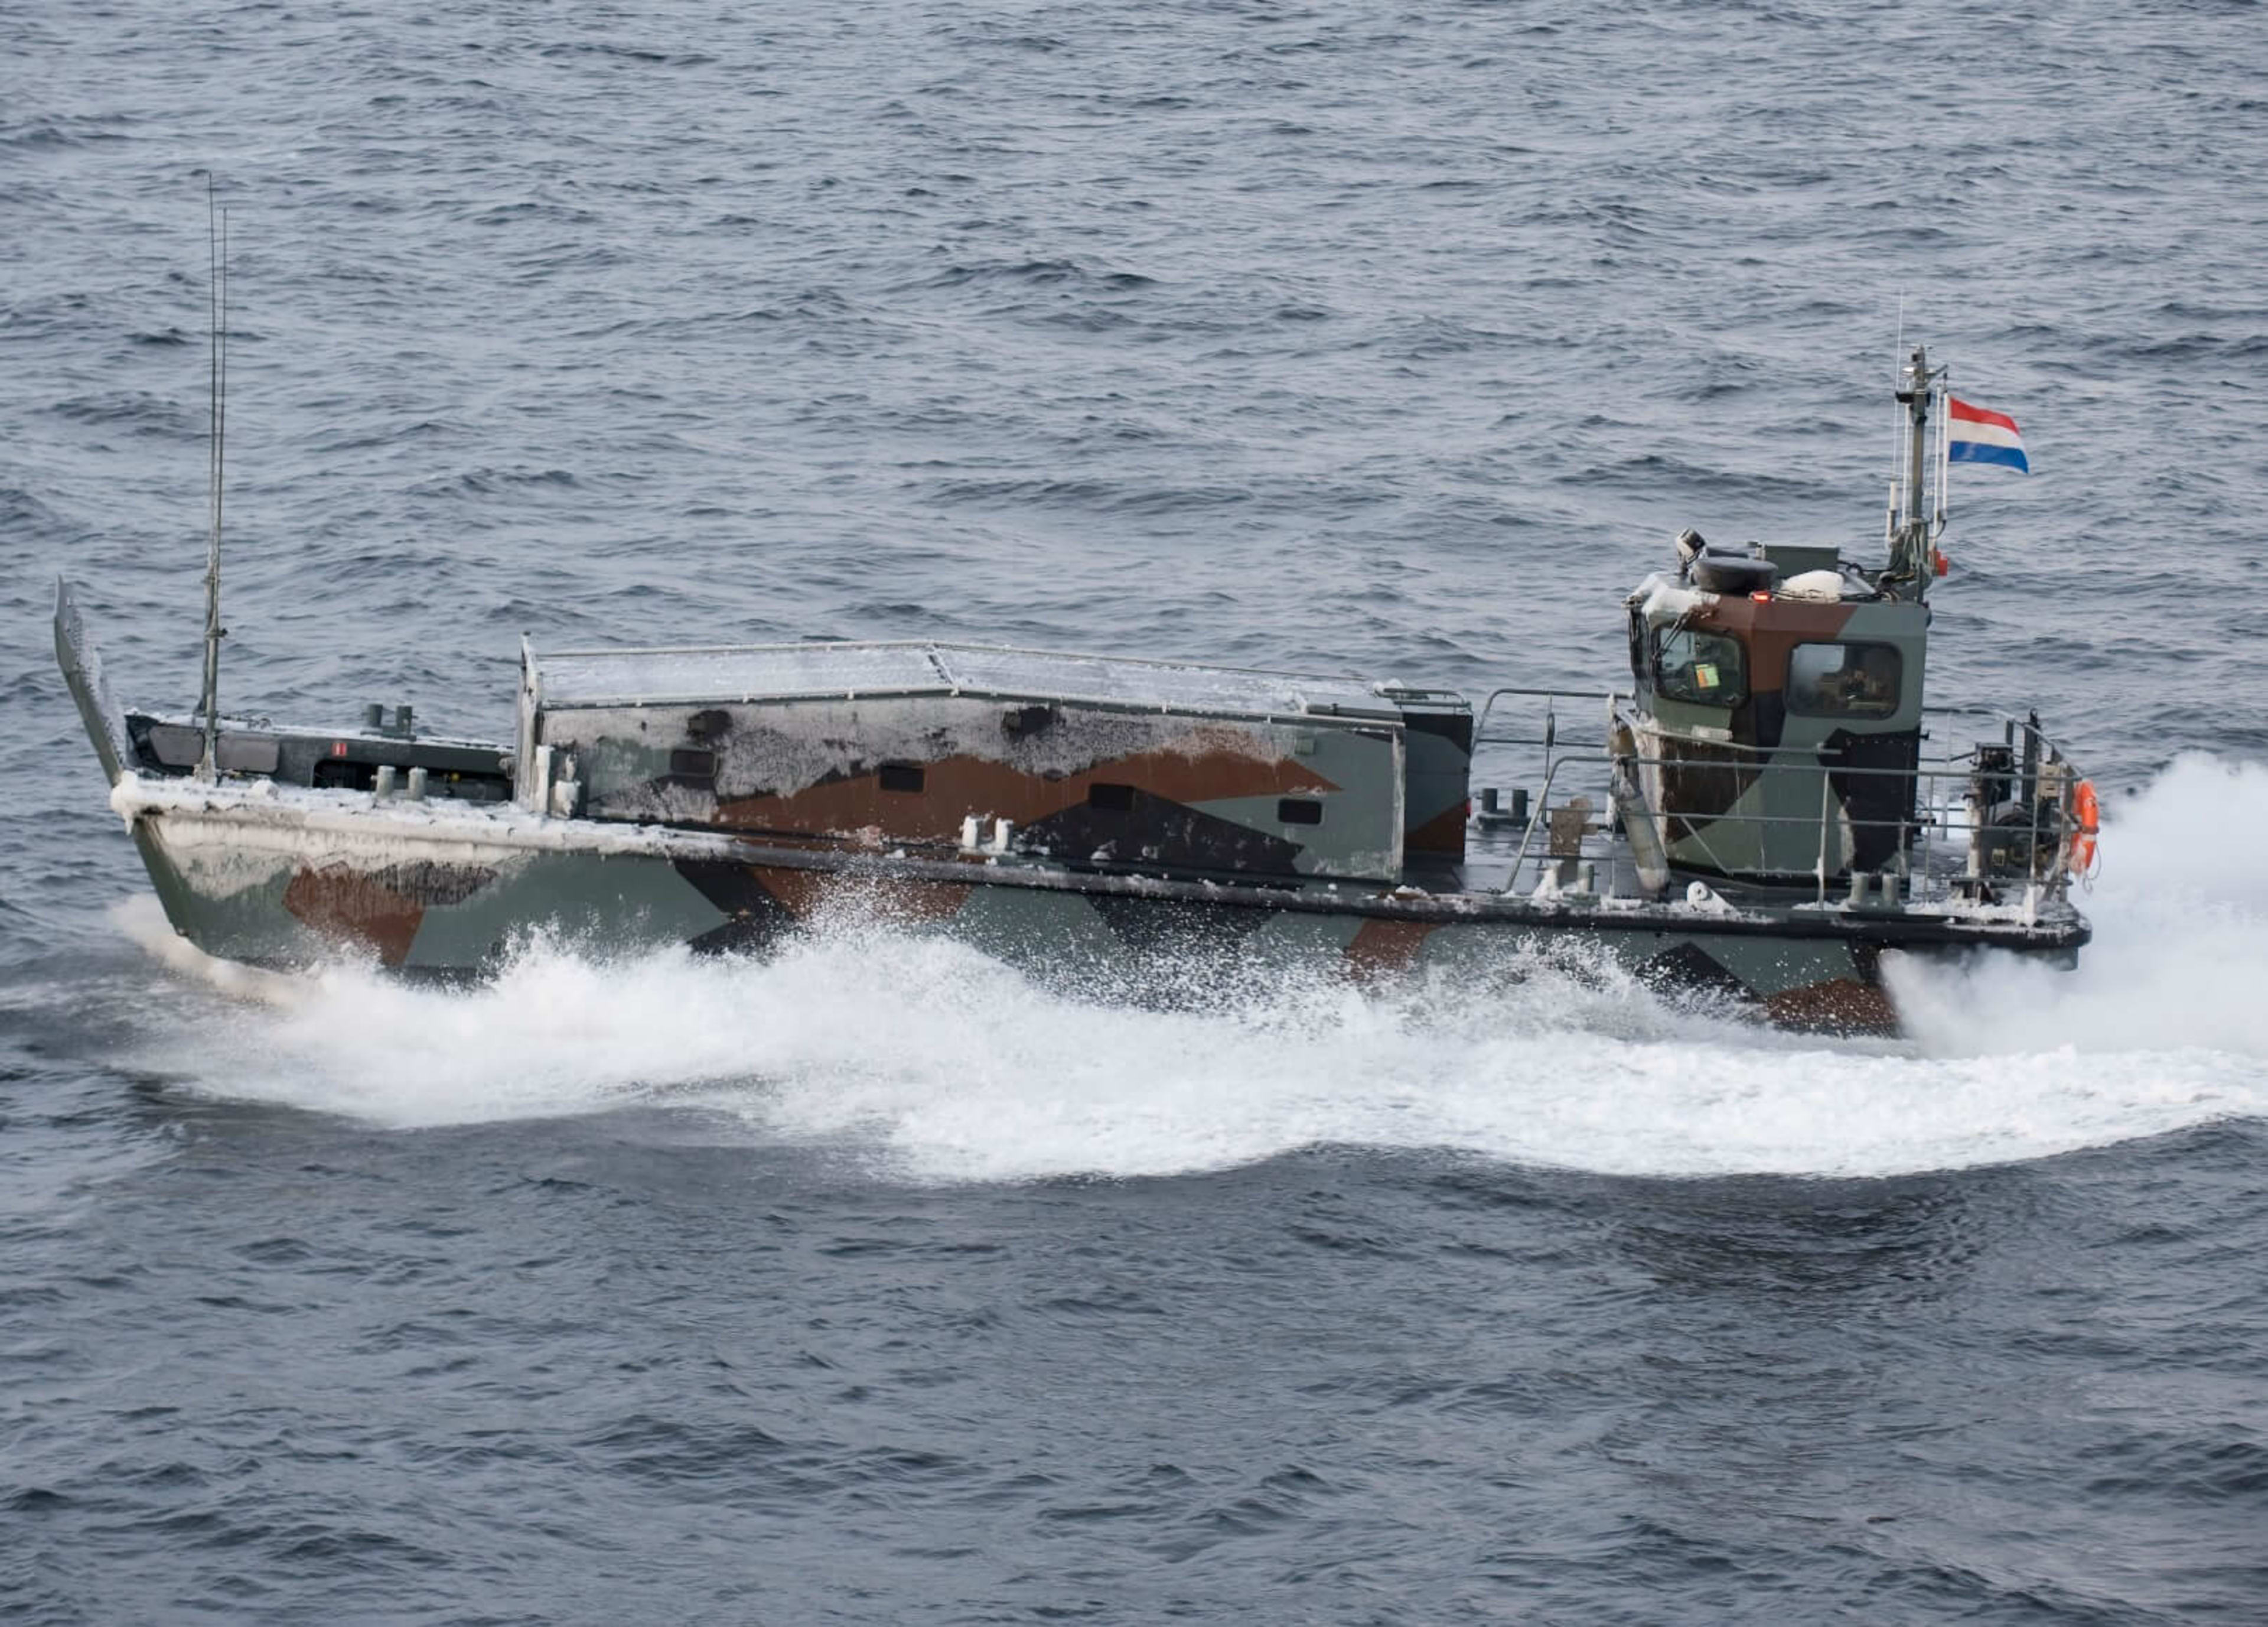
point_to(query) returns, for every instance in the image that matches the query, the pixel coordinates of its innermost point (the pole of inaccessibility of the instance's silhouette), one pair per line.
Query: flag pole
(1910, 548)
(1944, 448)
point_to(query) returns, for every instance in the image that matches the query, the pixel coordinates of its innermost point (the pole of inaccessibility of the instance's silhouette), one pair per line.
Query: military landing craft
(1755, 822)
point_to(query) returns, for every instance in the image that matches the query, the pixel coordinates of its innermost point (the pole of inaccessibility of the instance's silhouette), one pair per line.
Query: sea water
(875, 1282)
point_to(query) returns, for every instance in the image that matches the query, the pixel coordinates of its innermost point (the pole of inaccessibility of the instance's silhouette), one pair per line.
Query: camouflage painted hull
(284, 877)
(252, 865)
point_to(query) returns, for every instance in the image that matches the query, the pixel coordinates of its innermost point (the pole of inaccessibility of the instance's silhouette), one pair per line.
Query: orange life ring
(2088, 814)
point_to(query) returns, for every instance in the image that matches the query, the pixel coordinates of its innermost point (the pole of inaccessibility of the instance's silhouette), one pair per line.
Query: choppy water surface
(874, 1284)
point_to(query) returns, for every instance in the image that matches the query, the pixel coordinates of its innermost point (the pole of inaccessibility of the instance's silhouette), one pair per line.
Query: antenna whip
(216, 323)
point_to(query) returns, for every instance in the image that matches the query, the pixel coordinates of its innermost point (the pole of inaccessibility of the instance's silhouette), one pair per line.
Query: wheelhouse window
(1844, 680)
(1707, 669)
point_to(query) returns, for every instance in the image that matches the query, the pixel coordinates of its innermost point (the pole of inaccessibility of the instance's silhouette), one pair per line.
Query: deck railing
(1997, 814)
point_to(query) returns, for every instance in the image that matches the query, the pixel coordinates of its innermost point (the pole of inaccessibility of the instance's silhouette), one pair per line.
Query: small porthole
(900, 777)
(1299, 811)
(1112, 798)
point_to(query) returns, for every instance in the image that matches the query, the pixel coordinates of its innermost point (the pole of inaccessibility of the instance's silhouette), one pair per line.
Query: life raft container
(1725, 572)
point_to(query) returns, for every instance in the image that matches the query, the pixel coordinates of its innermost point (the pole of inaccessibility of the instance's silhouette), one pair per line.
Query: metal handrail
(1935, 815)
(2040, 772)
(1480, 722)
(1951, 767)
(2051, 747)
(1542, 803)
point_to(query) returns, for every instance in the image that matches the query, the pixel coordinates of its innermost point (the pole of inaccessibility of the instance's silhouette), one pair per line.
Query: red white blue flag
(1975, 436)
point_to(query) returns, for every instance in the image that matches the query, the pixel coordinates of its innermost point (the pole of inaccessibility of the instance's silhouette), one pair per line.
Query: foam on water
(2181, 939)
(938, 1063)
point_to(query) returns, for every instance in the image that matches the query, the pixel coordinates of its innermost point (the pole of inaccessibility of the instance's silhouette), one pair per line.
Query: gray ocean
(874, 1284)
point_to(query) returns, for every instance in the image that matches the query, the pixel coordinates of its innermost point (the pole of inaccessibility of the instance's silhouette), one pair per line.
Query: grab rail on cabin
(2045, 823)
(1481, 736)
(1940, 850)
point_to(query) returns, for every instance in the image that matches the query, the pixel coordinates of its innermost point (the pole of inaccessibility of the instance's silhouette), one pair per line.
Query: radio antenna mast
(216, 323)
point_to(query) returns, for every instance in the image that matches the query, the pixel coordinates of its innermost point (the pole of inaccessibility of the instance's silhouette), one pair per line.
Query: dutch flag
(1975, 436)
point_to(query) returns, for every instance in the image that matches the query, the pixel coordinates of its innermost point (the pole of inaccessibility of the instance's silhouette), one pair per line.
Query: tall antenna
(1898, 432)
(217, 323)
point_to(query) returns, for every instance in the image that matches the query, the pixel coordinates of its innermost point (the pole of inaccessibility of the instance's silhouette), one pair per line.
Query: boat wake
(933, 1062)
(2180, 938)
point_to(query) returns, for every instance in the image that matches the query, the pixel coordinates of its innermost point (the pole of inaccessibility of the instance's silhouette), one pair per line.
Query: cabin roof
(833, 671)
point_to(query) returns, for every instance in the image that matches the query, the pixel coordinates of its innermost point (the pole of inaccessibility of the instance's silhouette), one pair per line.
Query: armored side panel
(1107, 763)
(1438, 782)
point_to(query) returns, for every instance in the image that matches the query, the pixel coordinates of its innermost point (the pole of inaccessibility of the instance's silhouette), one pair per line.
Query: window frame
(1735, 693)
(1865, 715)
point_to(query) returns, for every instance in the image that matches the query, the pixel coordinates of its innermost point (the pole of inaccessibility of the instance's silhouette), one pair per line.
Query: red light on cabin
(1762, 595)
(338, 748)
